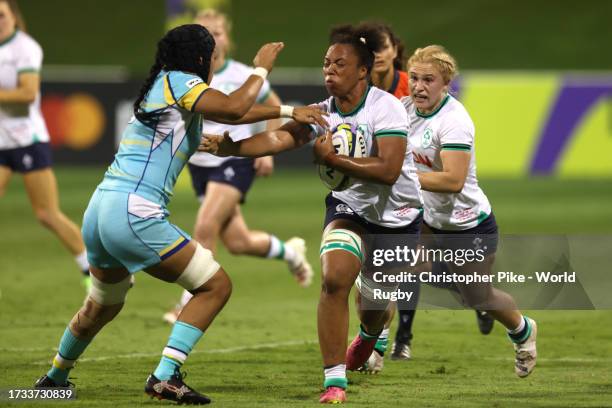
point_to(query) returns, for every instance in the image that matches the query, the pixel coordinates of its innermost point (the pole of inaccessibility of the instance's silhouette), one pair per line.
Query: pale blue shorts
(125, 230)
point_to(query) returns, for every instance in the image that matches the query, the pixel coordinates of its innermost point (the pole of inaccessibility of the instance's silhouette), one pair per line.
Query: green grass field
(262, 349)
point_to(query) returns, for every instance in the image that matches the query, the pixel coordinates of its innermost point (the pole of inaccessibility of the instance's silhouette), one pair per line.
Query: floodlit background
(536, 77)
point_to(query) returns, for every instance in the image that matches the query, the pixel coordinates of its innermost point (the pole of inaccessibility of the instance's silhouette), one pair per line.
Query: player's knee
(45, 216)
(237, 245)
(335, 281)
(206, 229)
(221, 286)
(92, 317)
(201, 269)
(109, 294)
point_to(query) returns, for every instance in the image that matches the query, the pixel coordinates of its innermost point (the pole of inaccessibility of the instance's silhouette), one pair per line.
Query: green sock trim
(365, 335)
(336, 382)
(525, 336)
(281, 255)
(381, 345)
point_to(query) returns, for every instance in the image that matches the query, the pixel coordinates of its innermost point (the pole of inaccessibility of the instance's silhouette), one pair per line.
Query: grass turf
(262, 349)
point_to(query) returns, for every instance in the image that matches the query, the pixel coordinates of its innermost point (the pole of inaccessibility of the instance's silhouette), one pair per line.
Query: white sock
(81, 260)
(337, 371)
(279, 250)
(276, 247)
(185, 297)
(384, 334)
(520, 327)
(335, 376)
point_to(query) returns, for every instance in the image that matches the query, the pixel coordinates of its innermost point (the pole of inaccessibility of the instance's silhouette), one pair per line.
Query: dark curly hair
(186, 48)
(364, 42)
(385, 29)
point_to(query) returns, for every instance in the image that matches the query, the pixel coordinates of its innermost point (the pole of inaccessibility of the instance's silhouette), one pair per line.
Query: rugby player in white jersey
(24, 140)
(222, 183)
(384, 200)
(457, 213)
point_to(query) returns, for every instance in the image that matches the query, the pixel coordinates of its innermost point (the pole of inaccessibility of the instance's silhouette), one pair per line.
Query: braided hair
(364, 42)
(185, 48)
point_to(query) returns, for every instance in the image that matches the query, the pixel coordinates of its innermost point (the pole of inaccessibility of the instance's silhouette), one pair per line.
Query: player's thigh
(41, 187)
(170, 269)
(134, 230)
(341, 256)
(5, 177)
(194, 268)
(218, 206)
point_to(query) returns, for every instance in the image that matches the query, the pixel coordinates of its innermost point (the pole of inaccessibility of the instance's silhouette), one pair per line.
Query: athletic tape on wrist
(286, 111)
(261, 72)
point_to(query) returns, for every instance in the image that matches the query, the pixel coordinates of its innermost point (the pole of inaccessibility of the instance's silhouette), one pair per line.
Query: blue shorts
(238, 173)
(484, 236)
(25, 159)
(125, 230)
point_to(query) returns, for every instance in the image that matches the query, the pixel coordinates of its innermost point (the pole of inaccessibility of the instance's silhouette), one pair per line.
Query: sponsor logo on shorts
(193, 82)
(229, 173)
(344, 209)
(27, 161)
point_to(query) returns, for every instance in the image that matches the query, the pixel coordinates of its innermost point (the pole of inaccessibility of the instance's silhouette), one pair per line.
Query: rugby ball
(347, 141)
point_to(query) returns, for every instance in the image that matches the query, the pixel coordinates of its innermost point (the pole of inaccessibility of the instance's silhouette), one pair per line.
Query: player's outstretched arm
(384, 168)
(455, 165)
(290, 136)
(217, 106)
(303, 114)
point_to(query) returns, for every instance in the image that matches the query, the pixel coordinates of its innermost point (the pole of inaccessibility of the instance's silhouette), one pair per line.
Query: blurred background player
(24, 140)
(383, 181)
(126, 225)
(457, 213)
(221, 183)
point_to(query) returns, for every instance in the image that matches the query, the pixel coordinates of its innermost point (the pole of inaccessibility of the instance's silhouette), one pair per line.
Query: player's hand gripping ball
(346, 142)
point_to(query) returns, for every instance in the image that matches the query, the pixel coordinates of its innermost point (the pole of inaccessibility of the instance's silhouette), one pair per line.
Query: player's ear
(363, 72)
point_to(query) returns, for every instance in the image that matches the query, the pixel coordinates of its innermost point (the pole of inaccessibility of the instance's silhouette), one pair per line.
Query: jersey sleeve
(29, 59)
(391, 119)
(456, 133)
(183, 89)
(318, 130)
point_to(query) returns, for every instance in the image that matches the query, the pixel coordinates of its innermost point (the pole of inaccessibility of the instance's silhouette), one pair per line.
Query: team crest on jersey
(426, 140)
(193, 82)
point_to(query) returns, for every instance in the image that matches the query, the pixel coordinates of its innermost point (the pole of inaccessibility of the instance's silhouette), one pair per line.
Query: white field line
(557, 360)
(261, 346)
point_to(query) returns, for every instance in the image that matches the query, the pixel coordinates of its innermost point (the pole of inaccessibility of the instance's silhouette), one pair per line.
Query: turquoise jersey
(155, 148)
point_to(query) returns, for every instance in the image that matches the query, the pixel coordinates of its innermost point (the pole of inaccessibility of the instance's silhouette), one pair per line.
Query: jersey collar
(429, 115)
(9, 39)
(356, 109)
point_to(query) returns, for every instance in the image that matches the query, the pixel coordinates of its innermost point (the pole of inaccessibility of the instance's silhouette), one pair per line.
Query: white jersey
(227, 79)
(448, 128)
(20, 124)
(379, 114)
